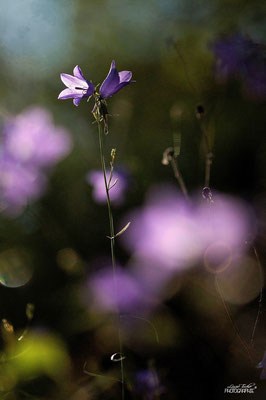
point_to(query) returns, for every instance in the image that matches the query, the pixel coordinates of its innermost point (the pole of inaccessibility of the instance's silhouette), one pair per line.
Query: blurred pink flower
(30, 144)
(116, 193)
(32, 138)
(18, 185)
(147, 383)
(124, 294)
(176, 234)
(164, 231)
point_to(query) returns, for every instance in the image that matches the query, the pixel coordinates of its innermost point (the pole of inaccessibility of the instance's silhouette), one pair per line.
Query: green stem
(208, 155)
(179, 177)
(112, 241)
(260, 298)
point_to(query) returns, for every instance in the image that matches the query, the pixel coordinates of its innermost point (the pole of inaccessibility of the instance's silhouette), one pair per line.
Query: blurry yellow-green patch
(40, 353)
(8, 378)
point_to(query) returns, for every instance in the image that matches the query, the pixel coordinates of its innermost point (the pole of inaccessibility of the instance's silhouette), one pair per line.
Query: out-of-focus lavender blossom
(31, 138)
(114, 81)
(164, 231)
(231, 53)
(124, 293)
(226, 220)
(239, 56)
(262, 365)
(30, 144)
(174, 234)
(78, 87)
(19, 184)
(116, 193)
(147, 384)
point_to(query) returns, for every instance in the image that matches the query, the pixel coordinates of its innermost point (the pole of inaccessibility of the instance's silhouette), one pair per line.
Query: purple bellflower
(110, 86)
(114, 81)
(77, 86)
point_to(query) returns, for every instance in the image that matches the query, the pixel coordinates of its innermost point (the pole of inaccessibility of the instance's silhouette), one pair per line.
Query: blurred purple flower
(31, 138)
(174, 234)
(116, 193)
(114, 81)
(240, 56)
(262, 365)
(147, 384)
(30, 144)
(164, 231)
(18, 185)
(227, 220)
(78, 87)
(231, 53)
(125, 294)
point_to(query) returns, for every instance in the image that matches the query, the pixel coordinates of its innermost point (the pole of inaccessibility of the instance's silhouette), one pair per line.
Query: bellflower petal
(67, 94)
(114, 81)
(77, 86)
(73, 82)
(125, 76)
(110, 82)
(76, 101)
(78, 73)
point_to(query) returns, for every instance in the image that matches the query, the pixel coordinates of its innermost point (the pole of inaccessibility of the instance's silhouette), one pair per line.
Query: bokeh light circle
(15, 269)
(242, 282)
(217, 257)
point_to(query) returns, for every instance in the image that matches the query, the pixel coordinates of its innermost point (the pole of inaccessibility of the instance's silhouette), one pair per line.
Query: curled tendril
(116, 357)
(207, 194)
(168, 155)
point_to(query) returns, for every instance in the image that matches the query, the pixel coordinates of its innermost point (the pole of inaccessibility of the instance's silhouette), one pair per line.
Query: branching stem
(112, 242)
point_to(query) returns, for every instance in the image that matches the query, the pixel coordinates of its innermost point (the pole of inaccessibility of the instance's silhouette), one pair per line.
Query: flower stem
(208, 156)
(112, 241)
(179, 177)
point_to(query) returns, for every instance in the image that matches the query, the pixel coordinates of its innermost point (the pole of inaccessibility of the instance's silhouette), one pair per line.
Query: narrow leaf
(120, 232)
(115, 182)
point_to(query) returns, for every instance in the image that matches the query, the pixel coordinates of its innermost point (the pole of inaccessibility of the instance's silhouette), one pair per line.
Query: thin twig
(260, 299)
(145, 320)
(189, 82)
(242, 341)
(208, 155)
(179, 177)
